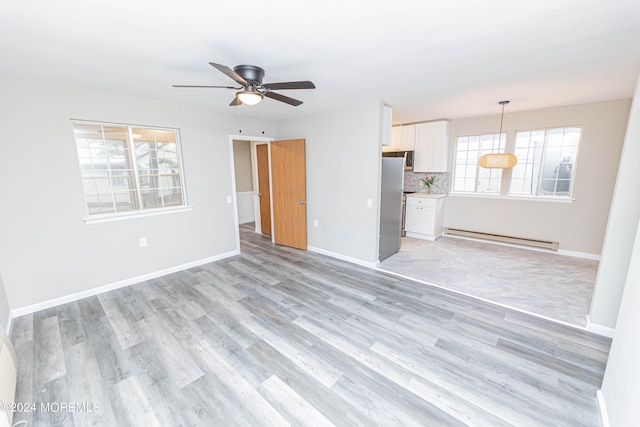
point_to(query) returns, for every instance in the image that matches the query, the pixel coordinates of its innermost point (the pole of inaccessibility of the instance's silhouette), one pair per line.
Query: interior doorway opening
(269, 180)
(247, 183)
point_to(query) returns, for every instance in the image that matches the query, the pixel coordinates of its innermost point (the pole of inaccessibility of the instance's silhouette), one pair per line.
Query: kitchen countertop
(426, 195)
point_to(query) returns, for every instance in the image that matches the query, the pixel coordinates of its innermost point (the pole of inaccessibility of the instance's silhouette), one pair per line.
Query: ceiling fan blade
(236, 101)
(229, 72)
(290, 85)
(282, 98)
(215, 87)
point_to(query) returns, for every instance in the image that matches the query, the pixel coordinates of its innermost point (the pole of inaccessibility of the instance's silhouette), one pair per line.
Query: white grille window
(546, 162)
(127, 169)
(468, 176)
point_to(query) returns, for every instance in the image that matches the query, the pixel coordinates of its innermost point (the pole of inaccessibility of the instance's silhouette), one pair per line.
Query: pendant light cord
(503, 103)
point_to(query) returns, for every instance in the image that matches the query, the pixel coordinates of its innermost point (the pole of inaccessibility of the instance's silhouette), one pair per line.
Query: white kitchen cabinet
(395, 140)
(407, 137)
(424, 216)
(402, 138)
(431, 147)
(386, 131)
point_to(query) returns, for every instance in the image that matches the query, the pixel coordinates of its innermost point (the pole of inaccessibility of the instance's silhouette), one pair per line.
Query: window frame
(495, 137)
(139, 210)
(544, 154)
(510, 148)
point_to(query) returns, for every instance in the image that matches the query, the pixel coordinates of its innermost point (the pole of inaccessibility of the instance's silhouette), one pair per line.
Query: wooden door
(289, 193)
(264, 192)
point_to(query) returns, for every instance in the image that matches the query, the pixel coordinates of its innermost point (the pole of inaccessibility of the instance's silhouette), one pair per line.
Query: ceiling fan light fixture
(249, 77)
(249, 97)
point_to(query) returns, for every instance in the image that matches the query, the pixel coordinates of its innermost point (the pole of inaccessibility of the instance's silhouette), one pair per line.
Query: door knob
(259, 194)
(301, 202)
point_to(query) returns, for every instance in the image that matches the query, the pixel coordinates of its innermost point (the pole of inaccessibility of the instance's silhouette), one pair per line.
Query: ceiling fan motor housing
(250, 73)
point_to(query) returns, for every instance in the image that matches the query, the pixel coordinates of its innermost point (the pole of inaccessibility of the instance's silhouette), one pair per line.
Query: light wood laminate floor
(277, 337)
(543, 283)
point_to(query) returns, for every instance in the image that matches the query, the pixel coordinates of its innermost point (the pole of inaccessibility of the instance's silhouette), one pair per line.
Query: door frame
(256, 184)
(254, 140)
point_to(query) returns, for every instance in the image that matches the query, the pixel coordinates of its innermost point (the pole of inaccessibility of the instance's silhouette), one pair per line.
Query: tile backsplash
(440, 184)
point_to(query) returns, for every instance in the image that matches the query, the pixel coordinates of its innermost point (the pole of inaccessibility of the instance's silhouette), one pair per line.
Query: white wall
(577, 226)
(623, 219)
(621, 383)
(343, 152)
(246, 208)
(617, 293)
(4, 307)
(244, 180)
(242, 165)
(46, 250)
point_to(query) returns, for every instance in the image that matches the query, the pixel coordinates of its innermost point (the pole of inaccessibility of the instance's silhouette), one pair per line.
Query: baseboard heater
(553, 246)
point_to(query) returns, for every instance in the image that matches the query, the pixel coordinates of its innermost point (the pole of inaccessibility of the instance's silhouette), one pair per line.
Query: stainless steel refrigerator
(391, 206)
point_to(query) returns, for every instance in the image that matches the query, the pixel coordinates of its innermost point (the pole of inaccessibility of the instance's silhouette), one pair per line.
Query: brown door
(262, 154)
(289, 190)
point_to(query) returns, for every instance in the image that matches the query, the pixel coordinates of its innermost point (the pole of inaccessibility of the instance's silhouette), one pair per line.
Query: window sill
(97, 219)
(545, 199)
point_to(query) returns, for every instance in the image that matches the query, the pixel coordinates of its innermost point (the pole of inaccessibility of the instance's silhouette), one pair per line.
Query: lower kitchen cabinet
(424, 216)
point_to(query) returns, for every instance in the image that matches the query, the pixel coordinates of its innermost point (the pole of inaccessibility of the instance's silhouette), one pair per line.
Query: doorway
(278, 190)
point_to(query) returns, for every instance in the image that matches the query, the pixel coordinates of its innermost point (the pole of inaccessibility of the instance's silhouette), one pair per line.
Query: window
(468, 176)
(546, 163)
(546, 160)
(128, 169)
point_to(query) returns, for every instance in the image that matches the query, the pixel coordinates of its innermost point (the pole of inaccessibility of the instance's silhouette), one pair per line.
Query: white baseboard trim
(602, 405)
(342, 257)
(29, 309)
(584, 255)
(599, 329)
(9, 321)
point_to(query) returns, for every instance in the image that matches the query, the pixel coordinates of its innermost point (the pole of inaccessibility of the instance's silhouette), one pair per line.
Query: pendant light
(499, 161)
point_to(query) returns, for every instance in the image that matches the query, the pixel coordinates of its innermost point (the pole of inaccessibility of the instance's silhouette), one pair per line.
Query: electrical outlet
(369, 203)
(143, 242)
(315, 223)
(229, 200)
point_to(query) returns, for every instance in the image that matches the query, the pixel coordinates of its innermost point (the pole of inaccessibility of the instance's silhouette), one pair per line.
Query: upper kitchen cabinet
(407, 137)
(431, 147)
(402, 138)
(386, 131)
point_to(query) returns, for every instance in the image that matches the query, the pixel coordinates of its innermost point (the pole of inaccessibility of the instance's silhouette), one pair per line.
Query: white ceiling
(426, 59)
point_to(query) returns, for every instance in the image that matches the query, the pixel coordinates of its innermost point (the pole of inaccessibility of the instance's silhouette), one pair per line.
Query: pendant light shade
(498, 161)
(249, 97)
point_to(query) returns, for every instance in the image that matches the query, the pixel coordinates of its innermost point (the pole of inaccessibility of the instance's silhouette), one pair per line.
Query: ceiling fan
(252, 90)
